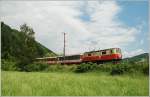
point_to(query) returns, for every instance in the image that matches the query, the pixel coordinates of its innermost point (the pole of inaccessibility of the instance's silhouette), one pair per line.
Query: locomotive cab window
(118, 51)
(113, 51)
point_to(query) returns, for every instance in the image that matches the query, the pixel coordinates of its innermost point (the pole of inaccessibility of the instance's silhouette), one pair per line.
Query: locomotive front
(112, 54)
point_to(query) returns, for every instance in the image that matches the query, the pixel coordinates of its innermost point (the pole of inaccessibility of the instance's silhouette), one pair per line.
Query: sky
(89, 25)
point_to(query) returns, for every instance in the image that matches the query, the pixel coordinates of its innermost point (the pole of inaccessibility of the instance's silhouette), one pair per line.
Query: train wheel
(114, 62)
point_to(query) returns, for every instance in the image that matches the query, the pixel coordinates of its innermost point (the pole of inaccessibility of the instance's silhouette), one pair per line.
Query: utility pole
(64, 45)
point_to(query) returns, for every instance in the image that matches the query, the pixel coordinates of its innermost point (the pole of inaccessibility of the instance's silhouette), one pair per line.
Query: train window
(89, 54)
(118, 51)
(73, 57)
(111, 51)
(60, 58)
(103, 52)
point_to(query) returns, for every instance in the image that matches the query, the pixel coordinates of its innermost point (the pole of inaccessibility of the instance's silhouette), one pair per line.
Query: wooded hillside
(20, 46)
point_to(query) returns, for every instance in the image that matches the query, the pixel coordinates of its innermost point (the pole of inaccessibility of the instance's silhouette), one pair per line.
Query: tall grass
(72, 84)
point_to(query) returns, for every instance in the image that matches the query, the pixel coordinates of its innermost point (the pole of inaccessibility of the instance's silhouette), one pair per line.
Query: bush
(130, 68)
(105, 67)
(146, 70)
(54, 67)
(84, 67)
(60, 68)
(8, 65)
(36, 67)
(117, 71)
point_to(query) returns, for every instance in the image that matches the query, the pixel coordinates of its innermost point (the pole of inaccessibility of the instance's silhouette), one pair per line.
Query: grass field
(69, 83)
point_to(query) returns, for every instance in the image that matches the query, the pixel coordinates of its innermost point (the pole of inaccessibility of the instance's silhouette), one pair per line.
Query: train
(99, 56)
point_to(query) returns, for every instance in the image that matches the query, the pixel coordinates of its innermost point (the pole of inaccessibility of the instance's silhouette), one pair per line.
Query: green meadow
(72, 84)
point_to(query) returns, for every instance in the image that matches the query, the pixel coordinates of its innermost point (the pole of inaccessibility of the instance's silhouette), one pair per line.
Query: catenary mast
(64, 50)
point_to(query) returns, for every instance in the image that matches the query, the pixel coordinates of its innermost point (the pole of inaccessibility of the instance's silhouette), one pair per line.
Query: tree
(20, 47)
(30, 50)
(27, 30)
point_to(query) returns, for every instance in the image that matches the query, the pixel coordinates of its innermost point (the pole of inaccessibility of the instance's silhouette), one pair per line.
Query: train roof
(77, 54)
(70, 55)
(58, 56)
(46, 57)
(101, 50)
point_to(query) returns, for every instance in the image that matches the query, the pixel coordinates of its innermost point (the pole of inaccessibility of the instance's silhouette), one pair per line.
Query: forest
(19, 48)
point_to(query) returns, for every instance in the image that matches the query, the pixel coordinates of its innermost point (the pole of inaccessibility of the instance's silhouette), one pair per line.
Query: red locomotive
(99, 56)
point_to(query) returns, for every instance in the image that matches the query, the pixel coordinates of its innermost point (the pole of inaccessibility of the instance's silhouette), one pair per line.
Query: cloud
(50, 19)
(133, 53)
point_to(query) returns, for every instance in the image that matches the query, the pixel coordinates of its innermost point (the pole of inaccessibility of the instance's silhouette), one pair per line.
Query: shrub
(36, 67)
(73, 67)
(59, 67)
(8, 65)
(146, 70)
(130, 68)
(105, 67)
(84, 67)
(117, 70)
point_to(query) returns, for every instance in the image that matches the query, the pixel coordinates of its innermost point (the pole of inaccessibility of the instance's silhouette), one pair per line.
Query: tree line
(19, 48)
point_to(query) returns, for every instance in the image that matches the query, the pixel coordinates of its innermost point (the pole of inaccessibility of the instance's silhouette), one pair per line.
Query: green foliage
(55, 67)
(146, 70)
(8, 65)
(61, 68)
(114, 69)
(130, 68)
(43, 51)
(20, 46)
(36, 67)
(27, 30)
(105, 67)
(84, 67)
(137, 59)
(118, 70)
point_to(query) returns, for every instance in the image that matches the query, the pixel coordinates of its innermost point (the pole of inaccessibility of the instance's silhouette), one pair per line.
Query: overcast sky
(90, 25)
